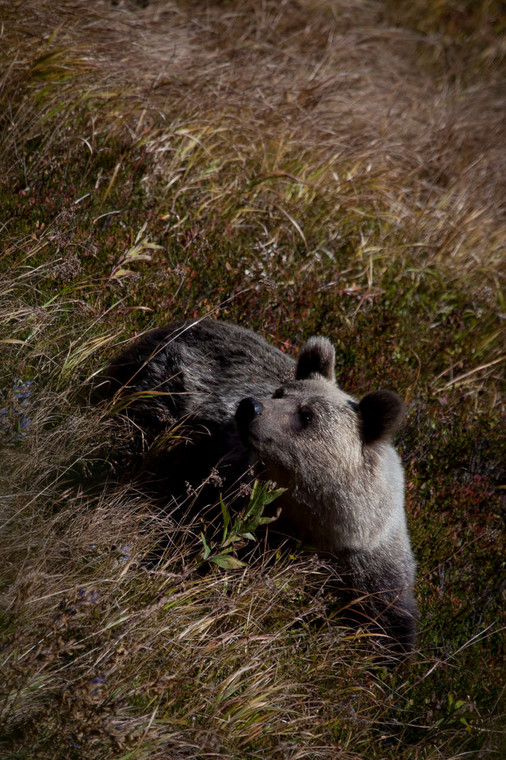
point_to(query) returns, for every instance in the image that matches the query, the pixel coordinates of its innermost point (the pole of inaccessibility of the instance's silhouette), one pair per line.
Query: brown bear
(240, 401)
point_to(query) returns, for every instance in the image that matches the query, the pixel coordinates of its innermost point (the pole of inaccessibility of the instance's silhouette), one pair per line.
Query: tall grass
(302, 168)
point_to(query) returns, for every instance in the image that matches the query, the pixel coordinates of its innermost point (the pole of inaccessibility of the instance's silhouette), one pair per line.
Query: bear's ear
(382, 413)
(317, 357)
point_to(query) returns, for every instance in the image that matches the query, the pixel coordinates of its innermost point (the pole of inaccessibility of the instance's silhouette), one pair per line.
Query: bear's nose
(248, 409)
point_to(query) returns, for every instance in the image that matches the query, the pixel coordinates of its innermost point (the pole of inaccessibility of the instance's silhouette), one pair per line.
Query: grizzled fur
(243, 400)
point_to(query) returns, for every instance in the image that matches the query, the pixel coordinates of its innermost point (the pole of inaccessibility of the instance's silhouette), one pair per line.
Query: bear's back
(202, 369)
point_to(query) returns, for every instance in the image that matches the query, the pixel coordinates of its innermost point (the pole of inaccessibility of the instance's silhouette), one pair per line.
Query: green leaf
(226, 518)
(227, 562)
(249, 536)
(207, 548)
(261, 496)
(267, 520)
(234, 538)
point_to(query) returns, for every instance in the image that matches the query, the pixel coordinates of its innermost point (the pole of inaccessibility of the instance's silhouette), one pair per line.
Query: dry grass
(311, 100)
(301, 167)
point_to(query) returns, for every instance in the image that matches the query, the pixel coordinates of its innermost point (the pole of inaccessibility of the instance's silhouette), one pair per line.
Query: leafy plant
(238, 530)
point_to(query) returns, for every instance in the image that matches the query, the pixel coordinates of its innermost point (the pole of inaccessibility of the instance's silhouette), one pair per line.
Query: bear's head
(331, 451)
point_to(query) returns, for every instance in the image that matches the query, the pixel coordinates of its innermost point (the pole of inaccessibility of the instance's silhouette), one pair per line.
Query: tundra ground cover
(300, 168)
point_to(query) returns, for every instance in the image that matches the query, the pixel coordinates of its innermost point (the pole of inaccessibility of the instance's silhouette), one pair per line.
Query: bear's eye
(305, 416)
(279, 393)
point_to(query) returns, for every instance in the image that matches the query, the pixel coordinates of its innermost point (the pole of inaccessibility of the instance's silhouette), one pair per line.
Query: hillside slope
(300, 167)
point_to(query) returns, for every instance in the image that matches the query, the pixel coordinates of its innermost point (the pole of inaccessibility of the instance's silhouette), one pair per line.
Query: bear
(243, 403)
